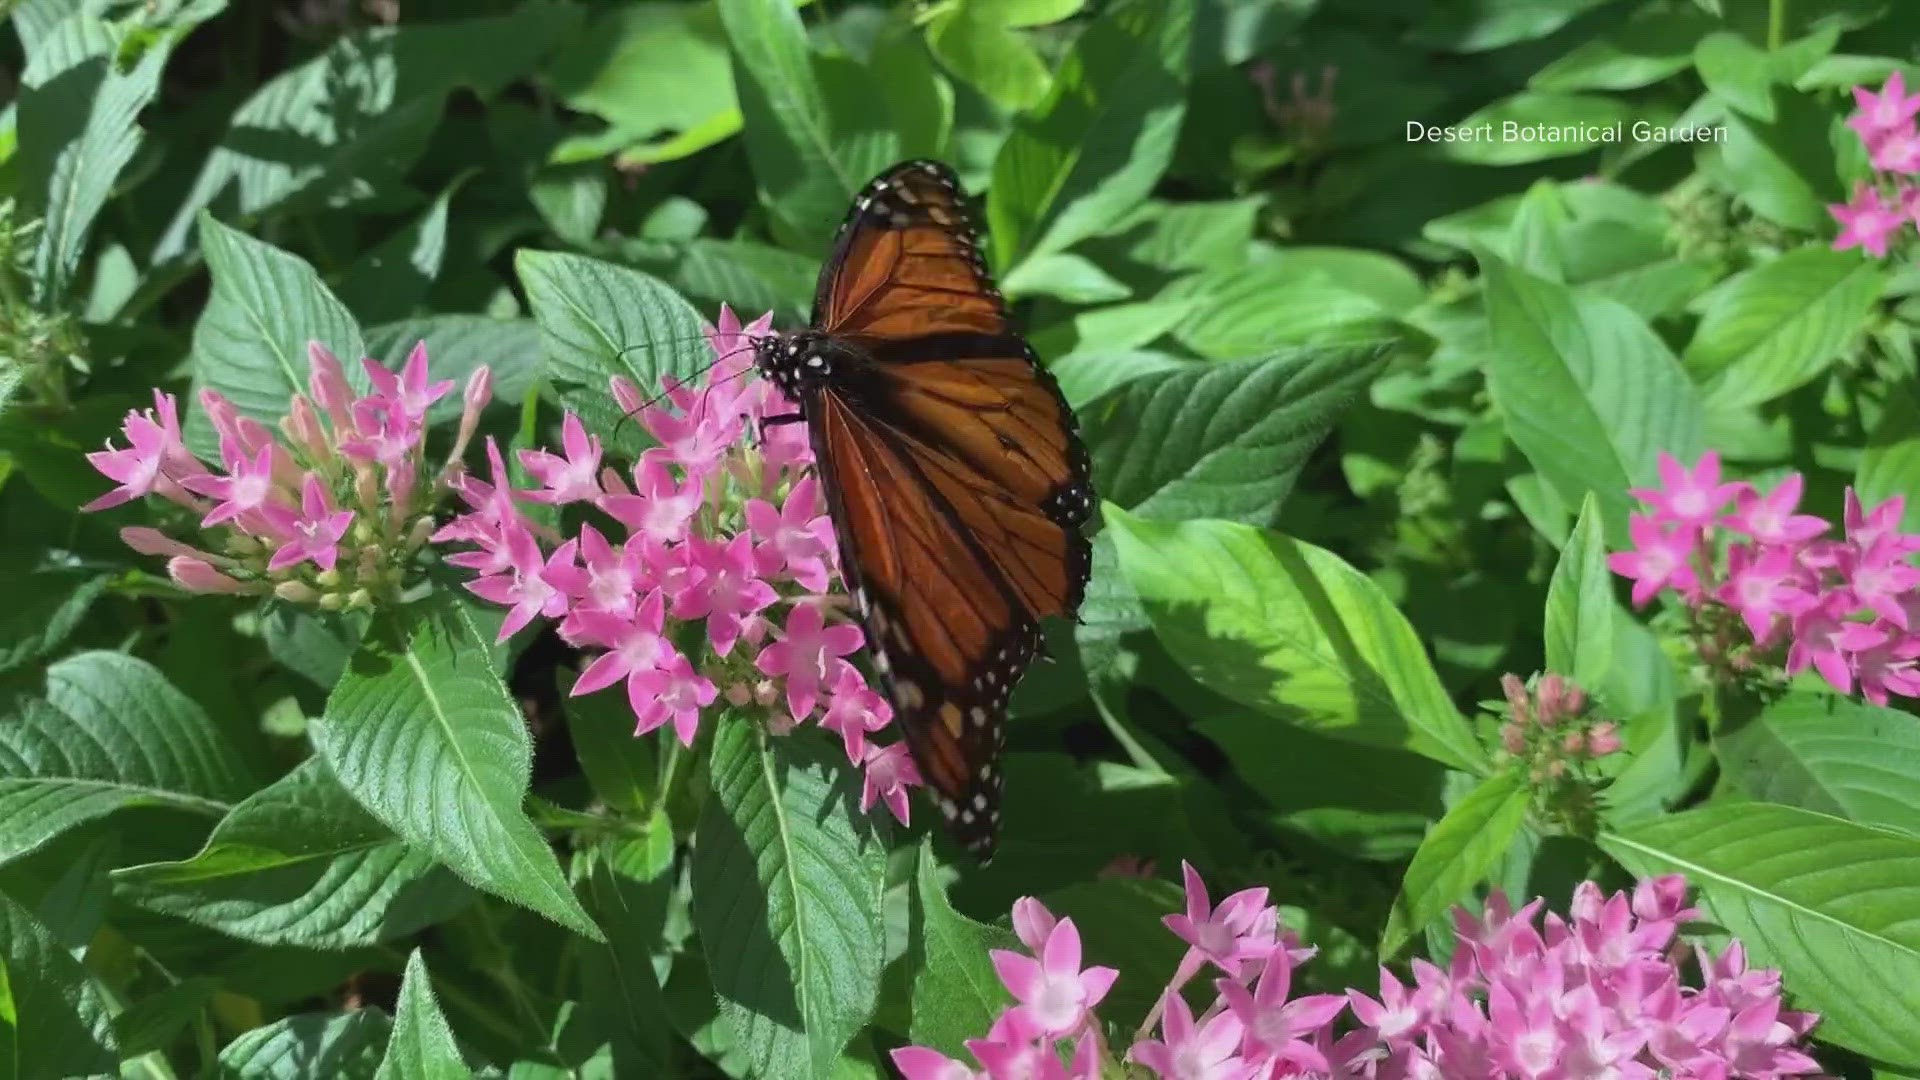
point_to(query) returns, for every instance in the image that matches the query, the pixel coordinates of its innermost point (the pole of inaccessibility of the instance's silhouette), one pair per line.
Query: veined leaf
(956, 992)
(1580, 604)
(1457, 854)
(392, 276)
(598, 320)
(1289, 629)
(110, 734)
(78, 126)
(1778, 326)
(1589, 393)
(250, 342)
(342, 1046)
(300, 863)
(1822, 752)
(421, 1046)
(1890, 462)
(786, 898)
(50, 1011)
(1828, 902)
(1097, 145)
(422, 733)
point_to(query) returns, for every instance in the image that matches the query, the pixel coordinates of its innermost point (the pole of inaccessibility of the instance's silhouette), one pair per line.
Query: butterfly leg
(781, 420)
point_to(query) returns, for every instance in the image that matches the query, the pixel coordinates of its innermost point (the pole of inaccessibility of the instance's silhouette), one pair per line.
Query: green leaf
(956, 992)
(393, 276)
(598, 320)
(53, 1021)
(356, 116)
(43, 608)
(300, 863)
(1737, 71)
(787, 879)
(1495, 23)
(1784, 169)
(1245, 311)
(1024, 13)
(985, 52)
(421, 1046)
(1890, 462)
(572, 198)
(1085, 376)
(456, 345)
(1828, 902)
(1064, 276)
(422, 733)
(1829, 754)
(1458, 853)
(110, 734)
(343, 1046)
(620, 765)
(812, 132)
(1220, 440)
(1780, 325)
(1535, 126)
(78, 114)
(1289, 629)
(1642, 52)
(619, 986)
(1580, 604)
(250, 342)
(1589, 394)
(1095, 148)
(153, 1022)
(651, 71)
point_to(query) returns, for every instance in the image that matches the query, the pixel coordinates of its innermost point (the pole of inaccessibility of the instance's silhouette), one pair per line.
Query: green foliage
(1364, 408)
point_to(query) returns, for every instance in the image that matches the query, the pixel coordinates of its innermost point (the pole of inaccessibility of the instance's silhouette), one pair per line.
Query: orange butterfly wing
(955, 477)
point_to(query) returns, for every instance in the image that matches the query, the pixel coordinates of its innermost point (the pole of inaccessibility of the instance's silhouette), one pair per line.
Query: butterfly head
(802, 360)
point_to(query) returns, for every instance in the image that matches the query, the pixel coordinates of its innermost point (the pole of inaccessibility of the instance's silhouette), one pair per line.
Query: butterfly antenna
(704, 369)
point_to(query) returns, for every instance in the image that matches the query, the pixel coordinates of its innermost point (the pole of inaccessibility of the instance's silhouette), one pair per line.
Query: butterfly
(954, 476)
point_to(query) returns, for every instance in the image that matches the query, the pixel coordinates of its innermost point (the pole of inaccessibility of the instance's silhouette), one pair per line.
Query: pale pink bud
(1603, 739)
(1574, 701)
(781, 722)
(739, 694)
(765, 693)
(303, 429)
(479, 389)
(1574, 743)
(154, 542)
(611, 482)
(366, 486)
(328, 381)
(1556, 769)
(1513, 738)
(226, 421)
(627, 394)
(1551, 693)
(1516, 693)
(296, 592)
(198, 575)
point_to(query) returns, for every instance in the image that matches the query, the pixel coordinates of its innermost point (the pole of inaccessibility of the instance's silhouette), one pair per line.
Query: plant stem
(1776, 23)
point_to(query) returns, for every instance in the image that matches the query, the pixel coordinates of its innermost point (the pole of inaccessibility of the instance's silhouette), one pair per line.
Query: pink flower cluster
(330, 510)
(1849, 609)
(1555, 737)
(1879, 210)
(1604, 992)
(722, 525)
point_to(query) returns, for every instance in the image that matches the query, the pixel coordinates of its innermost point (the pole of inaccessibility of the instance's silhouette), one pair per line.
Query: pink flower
(407, 394)
(1823, 638)
(1889, 111)
(611, 579)
(1865, 222)
(1054, 993)
(314, 532)
(722, 586)
(1273, 1024)
(920, 1063)
(1770, 518)
(153, 445)
(1887, 667)
(890, 774)
(1240, 929)
(1691, 498)
(327, 381)
(855, 711)
(248, 488)
(801, 655)
(570, 478)
(1032, 923)
(662, 509)
(796, 539)
(1395, 1015)
(1878, 577)
(1897, 152)
(672, 691)
(1186, 1051)
(1764, 588)
(1662, 558)
(525, 586)
(635, 646)
(1868, 528)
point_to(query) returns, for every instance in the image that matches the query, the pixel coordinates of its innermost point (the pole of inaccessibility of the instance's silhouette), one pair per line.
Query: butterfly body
(953, 472)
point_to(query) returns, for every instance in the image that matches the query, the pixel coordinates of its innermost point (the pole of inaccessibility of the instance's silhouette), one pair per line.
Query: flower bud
(359, 598)
(418, 536)
(1603, 739)
(739, 694)
(328, 381)
(1516, 692)
(296, 592)
(328, 578)
(1550, 695)
(1574, 743)
(627, 395)
(332, 601)
(154, 542)
(1513, 737)
(198, 575)
(304, 430)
